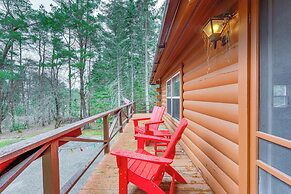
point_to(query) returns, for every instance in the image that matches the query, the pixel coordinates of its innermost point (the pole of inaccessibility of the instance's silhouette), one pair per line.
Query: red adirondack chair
(153, 124)
(146, 170)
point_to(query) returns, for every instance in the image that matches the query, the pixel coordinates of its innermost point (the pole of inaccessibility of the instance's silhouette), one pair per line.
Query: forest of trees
(81, 58)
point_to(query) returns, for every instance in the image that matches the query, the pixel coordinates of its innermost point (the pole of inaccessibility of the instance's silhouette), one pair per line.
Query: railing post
(106, 133)
(134, 107)
(120, 121)
(50, 169)
(127, 112)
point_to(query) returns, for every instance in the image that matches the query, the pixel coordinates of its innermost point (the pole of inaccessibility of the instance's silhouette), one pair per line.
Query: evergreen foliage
(81, 58)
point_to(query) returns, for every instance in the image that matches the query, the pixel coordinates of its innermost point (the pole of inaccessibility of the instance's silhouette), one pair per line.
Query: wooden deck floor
(104, 179)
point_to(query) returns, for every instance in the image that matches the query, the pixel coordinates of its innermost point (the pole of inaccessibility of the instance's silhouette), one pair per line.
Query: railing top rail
(14, 150)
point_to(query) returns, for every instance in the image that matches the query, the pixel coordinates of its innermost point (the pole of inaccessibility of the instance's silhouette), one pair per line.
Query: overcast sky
(46, 3)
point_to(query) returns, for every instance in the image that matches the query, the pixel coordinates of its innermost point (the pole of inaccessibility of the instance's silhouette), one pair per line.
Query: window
(173, 96)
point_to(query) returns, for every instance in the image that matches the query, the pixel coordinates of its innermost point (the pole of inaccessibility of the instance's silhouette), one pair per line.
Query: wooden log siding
(164, 96)
(210, 102)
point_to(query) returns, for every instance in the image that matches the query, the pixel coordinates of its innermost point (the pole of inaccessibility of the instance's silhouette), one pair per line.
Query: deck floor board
(104, 179)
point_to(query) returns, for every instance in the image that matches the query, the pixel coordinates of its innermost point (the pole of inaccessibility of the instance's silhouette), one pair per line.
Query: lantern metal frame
(215, 35)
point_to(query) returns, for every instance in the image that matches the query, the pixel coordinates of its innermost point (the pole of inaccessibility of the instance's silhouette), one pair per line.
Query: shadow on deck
(104, 179)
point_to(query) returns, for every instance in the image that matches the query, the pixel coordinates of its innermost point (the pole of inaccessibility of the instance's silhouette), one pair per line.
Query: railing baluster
(106, 134)
(50, 169)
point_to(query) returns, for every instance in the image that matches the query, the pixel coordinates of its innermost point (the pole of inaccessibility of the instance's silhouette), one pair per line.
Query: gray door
(275, 96)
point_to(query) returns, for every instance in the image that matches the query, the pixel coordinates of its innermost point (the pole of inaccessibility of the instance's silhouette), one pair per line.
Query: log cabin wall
(210, 104)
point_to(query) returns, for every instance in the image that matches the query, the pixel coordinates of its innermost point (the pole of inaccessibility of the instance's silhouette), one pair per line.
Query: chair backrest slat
(170, 150)
(157, 115)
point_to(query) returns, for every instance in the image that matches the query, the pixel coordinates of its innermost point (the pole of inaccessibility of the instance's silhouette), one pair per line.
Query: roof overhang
(168, 20)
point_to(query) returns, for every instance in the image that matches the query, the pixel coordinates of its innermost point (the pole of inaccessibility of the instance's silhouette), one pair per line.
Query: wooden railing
(14, 159)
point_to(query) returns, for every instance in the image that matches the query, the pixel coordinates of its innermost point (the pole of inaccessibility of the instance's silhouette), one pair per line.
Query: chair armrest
(136, 120)
(140, 119)
(162, 133)
(152, 138)
(142, 157)
(154, 123)
(147, 124)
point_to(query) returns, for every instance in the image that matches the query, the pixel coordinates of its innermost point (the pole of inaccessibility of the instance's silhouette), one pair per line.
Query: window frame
(173, 97)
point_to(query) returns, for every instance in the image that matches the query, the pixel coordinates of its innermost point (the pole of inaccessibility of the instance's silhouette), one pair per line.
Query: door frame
(244, 83)
(255, 134)
(254, 94)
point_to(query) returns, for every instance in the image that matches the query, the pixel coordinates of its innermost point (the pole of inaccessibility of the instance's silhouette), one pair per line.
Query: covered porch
(104, 179)
(118, 132)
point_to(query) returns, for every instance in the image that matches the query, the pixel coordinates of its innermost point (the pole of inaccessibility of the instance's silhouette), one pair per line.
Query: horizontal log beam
(211, 180)
(225, 76)
(212, 166)
(224, 111)
(218, 62)
(222, 144)
(224, 128)
(224, 94)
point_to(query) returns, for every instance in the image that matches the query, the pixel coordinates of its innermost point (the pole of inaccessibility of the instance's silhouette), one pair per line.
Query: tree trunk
(23, 78)
(82, 95)
(3, 105)
(132, 70)
(70, 77)
(89, 91)
(11, 94)
(82, 60)
(57, 106)
(55, 90)
(12, 103)
(146, 61)
(118, 83)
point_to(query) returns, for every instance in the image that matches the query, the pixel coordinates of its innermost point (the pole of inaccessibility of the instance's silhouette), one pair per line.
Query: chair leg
(171, 171)
(172, 187)
(155, 189)
(155, 148)
(140, 144)
(147, 143)
(123, 181)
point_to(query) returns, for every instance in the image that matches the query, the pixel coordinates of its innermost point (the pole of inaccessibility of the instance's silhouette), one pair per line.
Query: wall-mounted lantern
(214, 28)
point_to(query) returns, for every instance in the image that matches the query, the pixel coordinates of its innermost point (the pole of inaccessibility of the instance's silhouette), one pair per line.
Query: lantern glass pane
(207, 29)
(218, 25)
